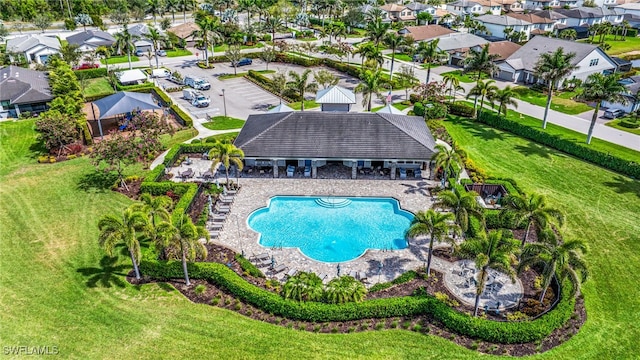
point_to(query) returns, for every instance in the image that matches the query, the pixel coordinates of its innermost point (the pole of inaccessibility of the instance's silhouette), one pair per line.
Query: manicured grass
(601, 208)
(225, 47)
(224, 123)
(619, 46)
(223, 137)
(466, 78)
(242, 74)
(177, 138)
(561, 102)
(308, 104)
(400, 106)
(616, 124)
(120, 59)
(178, 52)
(403, 57)
(97, 86)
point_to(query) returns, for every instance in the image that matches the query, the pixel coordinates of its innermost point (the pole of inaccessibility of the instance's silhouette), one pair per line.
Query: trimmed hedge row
(298, 60)
(247, 266)
(498, 332)
(91, 73)
(460, 109)
(266, 83)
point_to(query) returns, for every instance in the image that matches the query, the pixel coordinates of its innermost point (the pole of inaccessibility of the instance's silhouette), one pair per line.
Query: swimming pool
(331, 229)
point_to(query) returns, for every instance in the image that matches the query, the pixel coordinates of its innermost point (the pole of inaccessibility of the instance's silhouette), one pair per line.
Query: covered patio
(109, 113)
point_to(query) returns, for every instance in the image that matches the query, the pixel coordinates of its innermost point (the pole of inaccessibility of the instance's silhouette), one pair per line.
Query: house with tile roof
(539, 25)
(90, 40)
(35, 48)
(457, 46)
(397, 12)
(497, 24)
(425, 32)
(23, 90)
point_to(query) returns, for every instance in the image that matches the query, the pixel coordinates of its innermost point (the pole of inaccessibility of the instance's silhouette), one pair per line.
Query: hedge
(460, 109)
(181, 116)
(91, 73)
(155, 174)
(582, 151)
(266, 83)
(247, 266)
(488, 330)
(146, 87)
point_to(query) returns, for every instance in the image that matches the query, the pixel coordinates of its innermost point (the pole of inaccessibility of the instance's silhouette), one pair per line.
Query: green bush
(631, 32)
(155, 174)
(200, 289)
(266, 37)
(91, 73)
(142, 88)
(298, 60)
(265, 83)
(181, 116)
(247, 266)
(165, 100)
(418, 109)
(630, 124)
(461, 109)
(435, 111)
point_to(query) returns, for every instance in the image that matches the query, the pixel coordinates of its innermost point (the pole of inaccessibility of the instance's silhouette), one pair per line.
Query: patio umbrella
(123, 102)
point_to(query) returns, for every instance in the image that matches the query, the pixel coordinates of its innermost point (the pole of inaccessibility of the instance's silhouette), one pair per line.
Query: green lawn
(224, 123)
(120, 59)
(177, 138)
(223, 137)
(616, 124)
(466, 78)
(618, 46)
(601, 208)
(561, 102)
(308, 104)
(403, 57)
(225, 47)
(178, 52)
(97, 86)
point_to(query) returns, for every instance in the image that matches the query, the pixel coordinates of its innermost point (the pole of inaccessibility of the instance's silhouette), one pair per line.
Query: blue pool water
(331, 229)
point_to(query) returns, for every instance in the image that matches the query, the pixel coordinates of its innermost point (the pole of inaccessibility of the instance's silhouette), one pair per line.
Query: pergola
(121, 103)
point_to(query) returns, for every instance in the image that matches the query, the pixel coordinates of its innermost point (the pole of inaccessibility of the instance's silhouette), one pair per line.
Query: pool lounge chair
(279, 269)
(307, 171)
(291, 273)
(403, 173)
(263, 256)
(417, 174)
(290, 170)
(215, 226)
(362, 276)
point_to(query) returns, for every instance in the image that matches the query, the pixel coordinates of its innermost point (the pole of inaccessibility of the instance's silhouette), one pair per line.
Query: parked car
(160, 73)
(161, 53)
(140, 53)
(200, 101)
(197, 83)
(613, 114)
(86, 66)
(243, 62)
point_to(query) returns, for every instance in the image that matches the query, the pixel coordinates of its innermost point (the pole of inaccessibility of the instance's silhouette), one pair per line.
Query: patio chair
(307, 171)
(226, 191)
(217, 217)
(291, 273)
(225, 200)
(403, 173)
(290, 170)
(417, 174)
(323, 276)
(362, 276)
(224, 210)
(279, 269)
(215, 226)
(260, 257)
(214, 234)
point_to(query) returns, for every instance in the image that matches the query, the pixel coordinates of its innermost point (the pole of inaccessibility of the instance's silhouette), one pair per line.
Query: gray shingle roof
(23, 86)
(335, 95)
(23, 43)
(459, 41)
(336, 135)
(502, 20)
(106, 39)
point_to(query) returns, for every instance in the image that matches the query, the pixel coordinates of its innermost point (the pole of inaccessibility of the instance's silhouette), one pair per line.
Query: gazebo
(121, 103)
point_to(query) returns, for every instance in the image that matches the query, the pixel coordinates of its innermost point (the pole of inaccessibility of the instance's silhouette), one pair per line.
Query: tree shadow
(37, 148)
(481, 131)
(624, 185)
(391, 267)
(108, 273)
(533, 149)
(97, 180)
(420, 187)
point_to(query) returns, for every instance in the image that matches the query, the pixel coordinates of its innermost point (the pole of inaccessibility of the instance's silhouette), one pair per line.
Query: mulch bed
(213, 295)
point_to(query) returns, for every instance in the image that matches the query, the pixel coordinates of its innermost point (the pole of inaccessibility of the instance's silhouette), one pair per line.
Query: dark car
(613, 114)
(243, 62)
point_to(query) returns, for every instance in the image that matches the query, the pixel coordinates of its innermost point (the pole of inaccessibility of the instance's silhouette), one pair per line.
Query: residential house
(185, 32)
(520, 66)
(501, 49)
(465, 7)
(425, 32)
(497, 24)
(23, 90)
(541, 4)
(565, 4)
(343, 140)
(606, 3)
(559, 21)
(35, 48)
(335, 98)
(418, 8)
(633, 20)
(494, 7)
(140, 32)
(397, 12)
(632, 86)
(510, 6)
(90, 40)
(585, 16)
(539, 24)
(457, 46)
(630, 8)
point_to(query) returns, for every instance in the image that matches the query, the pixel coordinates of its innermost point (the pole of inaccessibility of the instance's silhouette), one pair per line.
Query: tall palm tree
(376, 30)
(279, 85)
(454, 84)
(370, 85)
(172, 6)
(369, 52)
(156, 38)
(249, 6)
(504, 97)
(155, 207)
(553, 67)
(181, 238)
(433, 224)
(556, 257)
(480, 62)
(226, 154)
(345, 289)
(303, 286)
(483, 89)
(446, 157)
(430, 53)
(123, 229)
(209, 31)
(184, 6)
(373, 15)
(393, 41)
(492, 251)
(533, 210)
(154, 7)
(463, 205)
(598, 88)
(273, 24)
(300, 84)
(125, 42)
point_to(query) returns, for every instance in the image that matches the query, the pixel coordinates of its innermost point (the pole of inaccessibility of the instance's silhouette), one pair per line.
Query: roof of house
(464, 3)
(442, 12)
(548, 14)
(185, 30)
(426, 32)
(24, 43)
(23, 86)
(80, 38)
(280, 108)
(390, 109)
(634, 87)
(335, 95)
(489, 2)
(457, 41)
(501, 20)
(415, 6)
(587, 12)
(336, 135)
(530, 17)
(127, 76)
(392, 7)
(503, 49)
(629, 6)
(527, 56)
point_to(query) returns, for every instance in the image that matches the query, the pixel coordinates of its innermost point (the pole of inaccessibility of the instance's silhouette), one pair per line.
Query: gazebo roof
(123, 102)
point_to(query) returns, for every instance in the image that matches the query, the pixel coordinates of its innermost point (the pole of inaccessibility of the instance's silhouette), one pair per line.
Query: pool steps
(333, 202)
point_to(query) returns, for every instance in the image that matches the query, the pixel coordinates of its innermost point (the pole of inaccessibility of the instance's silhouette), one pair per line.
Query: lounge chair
(263, 256)
(224, 210)
(263, 263)
(291, 273)
(307, 171)
(279, 269)
(290, 170)
(218, 217)
(226, 191)
(214, 234)
(417, 174)
(215, 226)
(403, 173)
(362, 276)
(225, 200)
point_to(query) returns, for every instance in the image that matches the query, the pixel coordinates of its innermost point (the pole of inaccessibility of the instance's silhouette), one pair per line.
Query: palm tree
(433, 224)
(125, 42)
(504, 97)
(533, 210)
(154, 7)
(373, 15)
(226, 154)
(106, 53)
(483, 89)
(454, 84)
(303, 286)
(209, 31)
(430, 53)
(463, 205)
(300, 84)
(376, 30)
(156, 37)
(249, 6)
(172, 6)
(273, 24)
(556, 257)
(279, 85)
(598, 88)
(155, 207)
(370, 85)
(480, 62)
(182, 240)
(568, 34)
(369, 52)
(123, 229)
(446, 157)
(184, 6)
(345, 289)
(552, 67)
(492, 251)
(393, 41)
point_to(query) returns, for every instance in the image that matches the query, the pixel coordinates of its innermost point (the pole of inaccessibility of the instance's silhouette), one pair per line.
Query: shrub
(476, 174)
(435, 111)
(446, 299)
(414, 98)
(91, 73)
(266, 37)
(200, 289)
(418, 109)
(247, 266)
(461, 109)
(181, 116)
(630, 124)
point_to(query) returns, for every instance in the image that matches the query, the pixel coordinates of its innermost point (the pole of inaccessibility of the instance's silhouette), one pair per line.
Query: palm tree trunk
(302, 100)
(479, 111)
(184, 14)
(428, 71)
(184, 268)
(546, 108)
(429, 257)
(129, 56)
(479, 290)
(226, 170)
(369, 103)
(547, 282)
(594, 118)
(393, 59)
(135, 265)
(526, 233)
(157, 65)
(477, 303)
